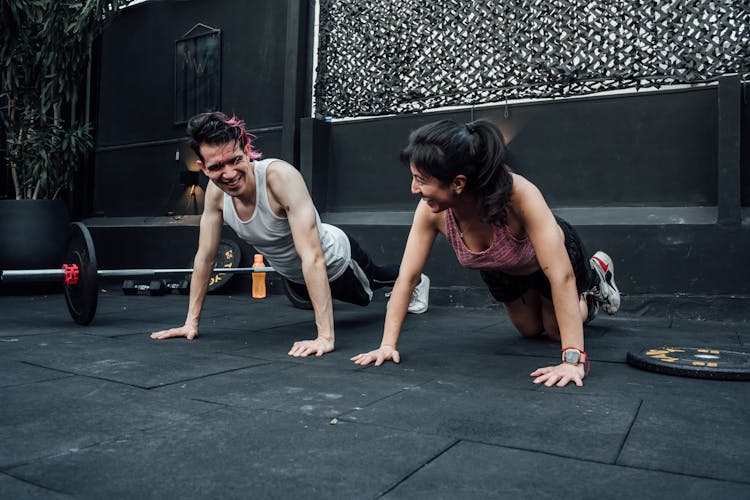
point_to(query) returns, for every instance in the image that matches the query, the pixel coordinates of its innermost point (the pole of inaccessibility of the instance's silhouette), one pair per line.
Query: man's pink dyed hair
(217, 128)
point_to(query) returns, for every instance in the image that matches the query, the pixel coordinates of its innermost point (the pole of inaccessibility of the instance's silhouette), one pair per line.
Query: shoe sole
(606, 281)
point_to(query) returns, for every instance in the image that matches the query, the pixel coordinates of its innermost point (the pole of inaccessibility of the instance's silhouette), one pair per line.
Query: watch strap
(584, 358)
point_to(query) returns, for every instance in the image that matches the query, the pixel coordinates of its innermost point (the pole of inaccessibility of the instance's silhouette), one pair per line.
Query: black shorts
(507, 287)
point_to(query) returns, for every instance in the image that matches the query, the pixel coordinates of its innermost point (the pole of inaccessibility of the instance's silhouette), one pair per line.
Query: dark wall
(6, 189)
(745, 144)
(364, 170)
(656, 149)
(137, 139)
(629, 150)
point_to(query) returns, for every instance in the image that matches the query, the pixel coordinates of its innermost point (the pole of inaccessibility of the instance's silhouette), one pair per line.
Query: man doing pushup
(267, 204)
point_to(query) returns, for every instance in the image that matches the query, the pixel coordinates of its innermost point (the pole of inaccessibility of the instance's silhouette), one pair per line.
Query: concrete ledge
(593, 216)
(173, 221)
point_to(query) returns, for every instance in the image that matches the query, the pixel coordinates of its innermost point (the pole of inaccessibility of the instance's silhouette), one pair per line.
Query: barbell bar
(81, 276)
(15, 276)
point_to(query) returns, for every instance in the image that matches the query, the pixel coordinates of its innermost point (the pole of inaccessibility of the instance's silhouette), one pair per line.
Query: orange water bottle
(259, 279)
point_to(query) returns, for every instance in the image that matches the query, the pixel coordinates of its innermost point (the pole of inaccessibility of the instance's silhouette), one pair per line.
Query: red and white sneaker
(605, 292)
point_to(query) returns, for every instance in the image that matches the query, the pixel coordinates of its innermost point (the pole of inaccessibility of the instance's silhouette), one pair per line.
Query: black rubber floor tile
(483, 471)
(707, 327)
(15, 327)
(49, 313)
(213, 341)
(568, 423)
(33, 315)
(457, 320)
(121, 314)
(699, 438)
(626, 381)
(486, 368)
(141, 362)
(17, 373)
(352, 337)
(292, 388)
(241, 454)
(14, 348)
(11, 487)
(53, 417)
(274, 308)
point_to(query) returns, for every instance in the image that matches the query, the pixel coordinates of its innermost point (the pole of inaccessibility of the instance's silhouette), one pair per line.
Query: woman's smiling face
(438, 195)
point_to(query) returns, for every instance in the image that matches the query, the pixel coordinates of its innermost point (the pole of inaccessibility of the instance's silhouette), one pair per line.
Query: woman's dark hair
(477, 150)
(216, 128)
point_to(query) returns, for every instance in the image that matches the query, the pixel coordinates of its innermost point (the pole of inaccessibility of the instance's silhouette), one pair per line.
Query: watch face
(572, 356)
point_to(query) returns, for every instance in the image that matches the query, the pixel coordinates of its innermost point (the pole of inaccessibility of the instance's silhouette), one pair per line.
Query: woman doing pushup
(499, 223)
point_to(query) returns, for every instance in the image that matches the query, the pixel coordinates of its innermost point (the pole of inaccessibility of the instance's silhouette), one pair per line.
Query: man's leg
(352, 286)
(382, 276)
(378, 276)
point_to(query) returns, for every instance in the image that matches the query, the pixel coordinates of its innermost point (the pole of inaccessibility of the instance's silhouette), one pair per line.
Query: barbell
(80, 275)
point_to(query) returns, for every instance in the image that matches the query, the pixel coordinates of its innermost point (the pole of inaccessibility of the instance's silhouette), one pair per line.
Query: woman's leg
(526, 313)
(549, 320)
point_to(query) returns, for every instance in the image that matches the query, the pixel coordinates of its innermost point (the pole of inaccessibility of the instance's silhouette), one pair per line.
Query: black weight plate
(83, 296)
(228, 255)
(295, 298)
(703, 362)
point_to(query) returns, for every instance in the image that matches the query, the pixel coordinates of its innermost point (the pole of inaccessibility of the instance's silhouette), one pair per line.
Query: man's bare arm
(289, 190)
(208, 242)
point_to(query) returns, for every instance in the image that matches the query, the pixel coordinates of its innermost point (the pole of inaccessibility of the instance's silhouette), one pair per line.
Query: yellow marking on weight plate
(671, 349)
(670, 360)
(657, 353)
(712, 365)
(698, 363)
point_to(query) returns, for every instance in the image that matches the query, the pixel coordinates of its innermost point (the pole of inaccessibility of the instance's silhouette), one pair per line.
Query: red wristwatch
(576, 356)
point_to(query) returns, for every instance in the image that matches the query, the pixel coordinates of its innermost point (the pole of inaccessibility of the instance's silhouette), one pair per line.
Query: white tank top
(272, 236)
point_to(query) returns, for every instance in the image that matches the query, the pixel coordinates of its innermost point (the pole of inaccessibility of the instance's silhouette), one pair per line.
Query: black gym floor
(103, 411)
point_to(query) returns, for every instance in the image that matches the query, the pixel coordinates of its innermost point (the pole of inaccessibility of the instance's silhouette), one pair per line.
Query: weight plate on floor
(700, 362)
(83, 296)
(297, 300)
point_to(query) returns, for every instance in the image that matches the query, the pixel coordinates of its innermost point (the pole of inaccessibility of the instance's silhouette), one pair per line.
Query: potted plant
(45, 46)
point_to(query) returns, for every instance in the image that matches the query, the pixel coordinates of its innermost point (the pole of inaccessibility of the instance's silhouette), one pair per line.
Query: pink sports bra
(506, 253)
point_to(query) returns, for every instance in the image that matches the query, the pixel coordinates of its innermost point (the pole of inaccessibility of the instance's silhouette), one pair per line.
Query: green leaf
(44, 52)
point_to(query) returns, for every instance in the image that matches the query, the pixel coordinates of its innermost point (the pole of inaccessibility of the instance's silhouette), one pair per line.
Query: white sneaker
(606, 292)
(420, 297)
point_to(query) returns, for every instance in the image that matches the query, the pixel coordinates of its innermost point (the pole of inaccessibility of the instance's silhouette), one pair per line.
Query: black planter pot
(33, 233)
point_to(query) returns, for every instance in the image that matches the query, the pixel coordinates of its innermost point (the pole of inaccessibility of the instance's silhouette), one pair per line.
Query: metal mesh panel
(385, 56)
